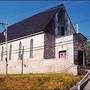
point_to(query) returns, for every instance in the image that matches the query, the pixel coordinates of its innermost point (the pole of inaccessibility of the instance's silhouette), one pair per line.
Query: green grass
(52, 81)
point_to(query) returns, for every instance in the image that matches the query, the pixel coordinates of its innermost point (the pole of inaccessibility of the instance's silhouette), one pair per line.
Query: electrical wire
(39, 47)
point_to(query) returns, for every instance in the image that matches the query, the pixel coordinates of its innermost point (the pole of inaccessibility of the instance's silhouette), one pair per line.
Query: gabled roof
(32, 24)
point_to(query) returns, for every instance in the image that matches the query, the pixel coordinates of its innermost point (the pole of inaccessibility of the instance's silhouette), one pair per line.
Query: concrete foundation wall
(42, 66)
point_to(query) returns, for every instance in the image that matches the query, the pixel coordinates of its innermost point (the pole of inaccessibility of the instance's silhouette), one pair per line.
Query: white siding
(37, 64)
(14, 65)
(65, 43)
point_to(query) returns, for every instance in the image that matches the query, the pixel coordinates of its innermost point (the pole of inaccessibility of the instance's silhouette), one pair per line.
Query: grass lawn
(52, 81)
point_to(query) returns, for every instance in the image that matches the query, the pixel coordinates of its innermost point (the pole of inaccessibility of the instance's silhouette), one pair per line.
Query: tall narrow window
(62, 31)
(20, 48)
(10, 52)
(31, 48)
(2, 54)
(56, 24)
(22, 56)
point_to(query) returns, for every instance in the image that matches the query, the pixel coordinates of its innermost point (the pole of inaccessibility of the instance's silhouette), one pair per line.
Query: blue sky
(14, 11)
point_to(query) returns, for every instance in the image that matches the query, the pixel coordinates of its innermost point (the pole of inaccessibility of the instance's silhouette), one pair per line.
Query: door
(80, 57)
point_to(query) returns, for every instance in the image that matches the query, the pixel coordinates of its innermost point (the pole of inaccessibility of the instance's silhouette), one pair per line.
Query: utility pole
(22, 58)
(4, 24)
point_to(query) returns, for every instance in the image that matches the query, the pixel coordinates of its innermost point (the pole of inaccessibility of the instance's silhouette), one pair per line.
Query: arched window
(31, 48)
(20, 50)
(10, 52)
(2, 54)
(22, 54)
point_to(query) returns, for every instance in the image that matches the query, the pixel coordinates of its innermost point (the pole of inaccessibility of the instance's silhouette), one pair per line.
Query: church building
(44, 43)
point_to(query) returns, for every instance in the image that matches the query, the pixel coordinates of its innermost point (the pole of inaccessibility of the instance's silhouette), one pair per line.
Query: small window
(62, 54)
(62, 31)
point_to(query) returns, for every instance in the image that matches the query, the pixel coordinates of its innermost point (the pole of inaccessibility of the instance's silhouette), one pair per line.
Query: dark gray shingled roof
(32, 24)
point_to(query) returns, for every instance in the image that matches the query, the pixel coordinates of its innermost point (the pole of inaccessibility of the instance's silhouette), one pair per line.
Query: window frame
(64, 54)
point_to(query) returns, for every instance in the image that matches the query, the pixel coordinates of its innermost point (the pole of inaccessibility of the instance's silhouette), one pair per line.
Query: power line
(40, 47)
(56, 44)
